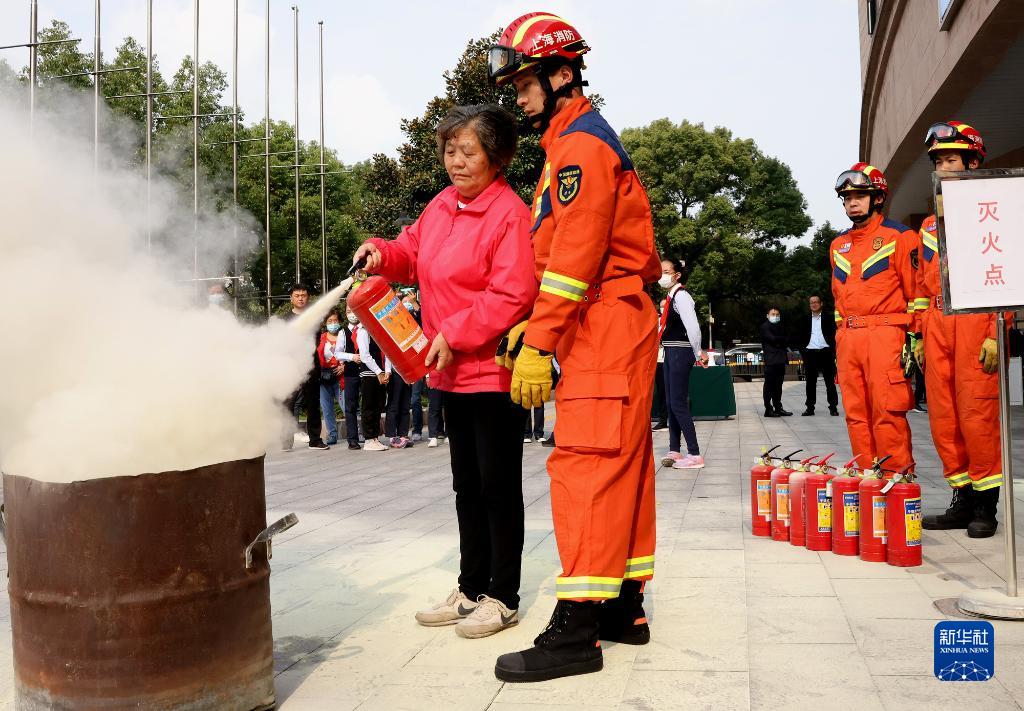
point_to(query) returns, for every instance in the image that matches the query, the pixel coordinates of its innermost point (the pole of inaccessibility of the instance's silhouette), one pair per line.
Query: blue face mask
(333, 328)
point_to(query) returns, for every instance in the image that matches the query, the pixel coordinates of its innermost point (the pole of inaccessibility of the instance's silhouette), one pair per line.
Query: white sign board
(981, 240)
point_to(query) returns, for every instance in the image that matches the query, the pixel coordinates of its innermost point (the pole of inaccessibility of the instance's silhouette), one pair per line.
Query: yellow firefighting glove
(919, 353)
(510, 345)
(531, 378)
(989, 357)
(907, 357)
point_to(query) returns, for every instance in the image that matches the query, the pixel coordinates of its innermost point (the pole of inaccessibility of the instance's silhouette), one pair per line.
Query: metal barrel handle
(267, 535)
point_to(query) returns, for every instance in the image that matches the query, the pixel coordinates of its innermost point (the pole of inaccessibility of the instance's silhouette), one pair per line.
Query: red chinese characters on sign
(990, 242)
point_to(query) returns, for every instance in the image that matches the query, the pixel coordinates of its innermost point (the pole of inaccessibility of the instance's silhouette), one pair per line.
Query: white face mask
(774, 319)
(353, 319)
(666, 281)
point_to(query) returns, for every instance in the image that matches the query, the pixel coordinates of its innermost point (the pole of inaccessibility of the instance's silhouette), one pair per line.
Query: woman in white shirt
(680, 337)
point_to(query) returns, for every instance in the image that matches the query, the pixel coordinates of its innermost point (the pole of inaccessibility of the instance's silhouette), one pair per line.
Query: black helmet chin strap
(541, 122)
(872, 208)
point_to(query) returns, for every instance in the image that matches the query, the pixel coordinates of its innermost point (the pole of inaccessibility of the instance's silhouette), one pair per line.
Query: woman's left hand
(441, 352)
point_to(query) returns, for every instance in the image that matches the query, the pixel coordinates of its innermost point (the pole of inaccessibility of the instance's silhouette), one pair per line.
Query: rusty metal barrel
(133, 591)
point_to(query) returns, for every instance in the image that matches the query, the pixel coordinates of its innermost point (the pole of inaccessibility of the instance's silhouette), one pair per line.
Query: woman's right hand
(372, 255)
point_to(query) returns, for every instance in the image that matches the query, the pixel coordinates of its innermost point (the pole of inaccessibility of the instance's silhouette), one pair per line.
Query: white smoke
(107, 366)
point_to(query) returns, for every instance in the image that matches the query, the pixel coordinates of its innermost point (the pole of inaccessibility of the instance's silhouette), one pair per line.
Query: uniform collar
(450, 197)
(870, 226)
(573, 109)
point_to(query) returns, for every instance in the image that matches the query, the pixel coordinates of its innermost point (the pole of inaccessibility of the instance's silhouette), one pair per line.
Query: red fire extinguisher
(391, 326)
(871, 497)
(780, 498)
(903, 521)
(761, 493)
(846, 510)
(797, 502)
(818, 507)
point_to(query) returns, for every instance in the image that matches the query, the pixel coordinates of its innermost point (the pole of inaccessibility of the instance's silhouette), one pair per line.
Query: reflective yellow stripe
(922, 303)
(910, 307)
(560, 292)
(539, 200)
(567, 281)
(587, 586)
(989, 482)
(958, 480)
(838, 317)
(521, 31)
(878, 256)
(640, 567)
(842, 262)
(930, 241)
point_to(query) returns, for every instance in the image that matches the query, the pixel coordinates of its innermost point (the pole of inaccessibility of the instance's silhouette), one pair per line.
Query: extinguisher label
(399, 323)
(878, 518)
(912, 517)
(764, 498)
(782, 502)
(851, 514)
(824, 511)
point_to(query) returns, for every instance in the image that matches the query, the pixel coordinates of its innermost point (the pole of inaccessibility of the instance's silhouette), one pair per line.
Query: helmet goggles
(503, 62)
(851, 180)
(944, 133)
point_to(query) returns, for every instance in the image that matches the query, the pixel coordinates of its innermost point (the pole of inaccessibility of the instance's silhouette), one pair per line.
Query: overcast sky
(783, 72)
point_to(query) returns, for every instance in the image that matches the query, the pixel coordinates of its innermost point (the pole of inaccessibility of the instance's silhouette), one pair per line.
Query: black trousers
(396, 423)
(485, 439)
(373, 395)
(773, 377)
(310, 392)
(823, 361)
(352, 386)
(659, 406)
(435, 413)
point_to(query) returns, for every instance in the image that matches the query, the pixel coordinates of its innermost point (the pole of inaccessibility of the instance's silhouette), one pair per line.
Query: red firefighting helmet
(533, 38)
(862, 177)
(955, 136)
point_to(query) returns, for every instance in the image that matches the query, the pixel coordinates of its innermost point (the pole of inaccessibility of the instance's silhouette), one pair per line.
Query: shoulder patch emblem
(845, 247)
(569, 179)
(914, 258)
(876, 243)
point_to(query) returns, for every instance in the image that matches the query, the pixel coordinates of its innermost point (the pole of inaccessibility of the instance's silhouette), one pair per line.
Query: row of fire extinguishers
(872, 512)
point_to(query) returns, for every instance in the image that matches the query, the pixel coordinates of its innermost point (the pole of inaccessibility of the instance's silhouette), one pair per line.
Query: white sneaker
(490, 617)
(527, 440)
(432, 442)
(454, 608)
(374, 445)
(690, 461)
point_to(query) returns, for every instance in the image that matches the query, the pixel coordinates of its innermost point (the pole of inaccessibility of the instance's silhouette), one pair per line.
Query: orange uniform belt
(614, 288)
(876, 320)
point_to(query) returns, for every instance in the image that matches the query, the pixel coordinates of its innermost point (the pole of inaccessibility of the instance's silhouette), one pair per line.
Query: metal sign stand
(991, 602)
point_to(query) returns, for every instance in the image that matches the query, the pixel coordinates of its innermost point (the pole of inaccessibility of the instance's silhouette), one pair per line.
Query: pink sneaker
(671, 458)
(690, 461)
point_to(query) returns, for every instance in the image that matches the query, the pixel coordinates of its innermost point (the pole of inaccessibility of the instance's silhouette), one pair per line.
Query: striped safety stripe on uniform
(838, 316)
(922, 303)
(564, 286)
(958, 480)
(910, 307)
(877, 262)
(931, 244)
(989, 482)
(640, 567)
(587, 586)
(843, 266)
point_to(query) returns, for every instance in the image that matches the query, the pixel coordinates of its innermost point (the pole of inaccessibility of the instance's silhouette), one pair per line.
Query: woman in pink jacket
(471, 254)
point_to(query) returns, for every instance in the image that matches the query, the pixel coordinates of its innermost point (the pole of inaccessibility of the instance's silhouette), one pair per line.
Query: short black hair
(298, 286)
(816, 296)
(773, 307)
(494, 126)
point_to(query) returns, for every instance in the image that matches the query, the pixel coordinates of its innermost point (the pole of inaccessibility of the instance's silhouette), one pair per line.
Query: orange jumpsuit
(963, 400)
(874, 283)
(594, 244)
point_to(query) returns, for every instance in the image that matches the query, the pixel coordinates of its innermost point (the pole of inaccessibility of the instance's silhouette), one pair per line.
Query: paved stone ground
(737, 622)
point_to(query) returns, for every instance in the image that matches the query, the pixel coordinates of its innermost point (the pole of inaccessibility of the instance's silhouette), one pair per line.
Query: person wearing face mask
(348, 354)
(679, 331)
(331, 370)
(776, 356)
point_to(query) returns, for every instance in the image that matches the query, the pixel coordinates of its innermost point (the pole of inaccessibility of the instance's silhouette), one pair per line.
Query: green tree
(61, 59)
(726, 209)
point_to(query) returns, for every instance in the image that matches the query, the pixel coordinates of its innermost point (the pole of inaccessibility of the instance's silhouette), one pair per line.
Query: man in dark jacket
(776, 356)
(816, 339)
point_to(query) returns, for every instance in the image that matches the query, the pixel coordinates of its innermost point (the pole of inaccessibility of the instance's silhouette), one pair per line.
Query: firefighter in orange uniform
(594, 242)
(874, 282)
(960, 360)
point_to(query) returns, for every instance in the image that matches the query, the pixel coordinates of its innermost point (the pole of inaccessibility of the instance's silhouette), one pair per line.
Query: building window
(947, 12)
(873, 15)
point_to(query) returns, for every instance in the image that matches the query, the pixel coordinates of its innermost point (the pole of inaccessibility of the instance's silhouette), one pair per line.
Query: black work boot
(958, 515)
(568, 646)
(984, 523)
(623, 619)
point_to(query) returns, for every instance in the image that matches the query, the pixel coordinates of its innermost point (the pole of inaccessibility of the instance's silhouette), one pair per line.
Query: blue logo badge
(965, 651)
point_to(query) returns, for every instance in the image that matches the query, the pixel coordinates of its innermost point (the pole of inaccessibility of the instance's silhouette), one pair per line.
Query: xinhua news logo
(964, 651)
